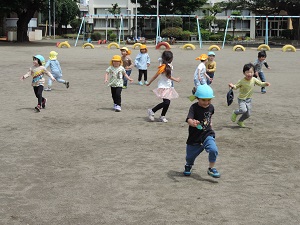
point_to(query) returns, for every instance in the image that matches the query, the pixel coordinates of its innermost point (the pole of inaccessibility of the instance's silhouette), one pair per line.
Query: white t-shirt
(201, 67)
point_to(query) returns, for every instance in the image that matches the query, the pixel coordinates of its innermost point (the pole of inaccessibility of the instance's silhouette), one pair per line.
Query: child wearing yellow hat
(142, 62)
(115, 72)
(127, 63)
(55, 70)
(200, 75)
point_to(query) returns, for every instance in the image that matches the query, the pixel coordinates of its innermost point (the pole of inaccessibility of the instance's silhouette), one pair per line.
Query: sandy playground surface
(79, 162)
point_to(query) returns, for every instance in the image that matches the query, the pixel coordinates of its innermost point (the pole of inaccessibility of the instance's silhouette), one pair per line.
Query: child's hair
(167, 58)
(247, 67)
(262, 54)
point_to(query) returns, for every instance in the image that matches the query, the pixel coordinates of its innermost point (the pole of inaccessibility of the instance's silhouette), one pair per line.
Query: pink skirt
(167, 93)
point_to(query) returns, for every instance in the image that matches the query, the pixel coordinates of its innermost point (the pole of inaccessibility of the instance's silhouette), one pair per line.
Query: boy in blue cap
(211, 67)
(201, 135)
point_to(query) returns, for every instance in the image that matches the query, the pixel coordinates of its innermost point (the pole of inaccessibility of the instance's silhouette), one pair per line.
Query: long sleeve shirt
(141, 61)
(246, 87)
(37, 74)
(55, 67)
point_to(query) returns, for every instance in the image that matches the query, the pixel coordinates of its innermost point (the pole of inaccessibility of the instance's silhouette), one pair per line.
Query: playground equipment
(239, 47)
(88, 45)
(65, 43)
(189, 46)
(264, 47)
(136, 45)
(165, 44)
(214, 47)
(288, 48)
(115, 44)
(266, 25)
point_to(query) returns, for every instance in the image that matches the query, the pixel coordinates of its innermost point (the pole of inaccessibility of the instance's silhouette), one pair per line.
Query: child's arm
(152, 79)
(106, 78)
(266, 65)
(148, 60)
(26, 75)
(193, 122)
(231, 85)
(49, 75)
(175, 79)
(128, 77)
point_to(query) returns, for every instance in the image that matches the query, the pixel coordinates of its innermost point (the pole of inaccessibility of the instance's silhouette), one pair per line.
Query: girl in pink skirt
(165, 90)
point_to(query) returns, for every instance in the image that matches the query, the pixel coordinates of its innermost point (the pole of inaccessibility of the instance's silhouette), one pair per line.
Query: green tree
(167, 7)
(116, 11)
(270, 7)
(25, 10)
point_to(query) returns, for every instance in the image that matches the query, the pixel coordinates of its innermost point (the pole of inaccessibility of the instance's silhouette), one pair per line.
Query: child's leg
(166, 104)
(38, 91)
(145, 75)
(247, 105)
(192, 151)
(163, 105)
(140, 75)
(113, 94)
(60, 80)
(263, 79)
(210, 146)
(118, 95)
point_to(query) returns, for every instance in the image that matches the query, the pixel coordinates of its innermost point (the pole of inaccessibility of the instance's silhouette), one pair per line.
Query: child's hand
(231, 85)
(53, 79)
(195, 123)
(269, 68)
(105, 81)
(268, 84)
(131, 80)
(177, 79)
(22, 78)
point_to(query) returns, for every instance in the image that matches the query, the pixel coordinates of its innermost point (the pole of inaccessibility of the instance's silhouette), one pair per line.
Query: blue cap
(211, 53)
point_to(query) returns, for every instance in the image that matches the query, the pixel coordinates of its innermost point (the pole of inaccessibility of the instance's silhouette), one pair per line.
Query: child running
(165, 91)
(211, 67)
(258, 65)
(55, 70)
(201, 135)
(127, 64)
(200, 75)
(37, 71)
(246, 86)
(142, 62)
(116, 72)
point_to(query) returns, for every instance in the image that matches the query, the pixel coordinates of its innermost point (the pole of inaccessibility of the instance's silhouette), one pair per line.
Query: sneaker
(47, 89)
(114, 108)
(213, 172)
(67, 84)
(233, 117)
(163, 119)
(187, 170)
(241, 124)
(140, 83)
(118, 108)
(37, 108)
(124, 87)
(44, 103)
(146, 82)
(151, 114)
(263, 90)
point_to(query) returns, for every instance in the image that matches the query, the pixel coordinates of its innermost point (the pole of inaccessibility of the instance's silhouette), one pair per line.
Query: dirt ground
(79, 162)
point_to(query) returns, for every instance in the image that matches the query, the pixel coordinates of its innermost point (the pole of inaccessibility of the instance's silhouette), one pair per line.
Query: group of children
(201, 134)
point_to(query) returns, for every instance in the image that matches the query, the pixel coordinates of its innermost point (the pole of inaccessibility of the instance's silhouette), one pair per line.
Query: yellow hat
(126, 49)
(202, 57)
(144, 47)
(53, 55)
(116, 58)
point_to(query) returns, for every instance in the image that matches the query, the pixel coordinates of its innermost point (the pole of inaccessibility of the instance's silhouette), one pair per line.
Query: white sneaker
(118, 108)
(140, 83)
(163, 119)
(146, 82)
(114, 108)
(151, 114)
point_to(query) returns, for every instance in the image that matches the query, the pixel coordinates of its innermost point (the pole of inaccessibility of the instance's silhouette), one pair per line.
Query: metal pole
(54, 18)
(135, 19)
(49, 18)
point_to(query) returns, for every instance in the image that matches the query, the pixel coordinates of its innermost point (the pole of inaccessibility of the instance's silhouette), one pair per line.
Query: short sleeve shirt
(116, 76)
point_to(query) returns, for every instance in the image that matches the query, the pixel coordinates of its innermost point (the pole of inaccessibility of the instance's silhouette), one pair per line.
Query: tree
(116, 10)
(25, 10)
(176, 7)
(270, 7)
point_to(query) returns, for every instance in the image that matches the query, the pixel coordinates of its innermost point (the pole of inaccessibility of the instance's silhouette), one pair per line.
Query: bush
(205, 35)
(216, 37)
(185, 35)
(172, 32)
(96, 36)
(112, 37)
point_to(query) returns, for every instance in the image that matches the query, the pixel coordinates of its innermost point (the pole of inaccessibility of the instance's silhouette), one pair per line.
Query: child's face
(116, 63)
(261, 58)
(123, 52)
(249, 73)
(35, 62)
(143, 50)
(204, 102)
(211, 57)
